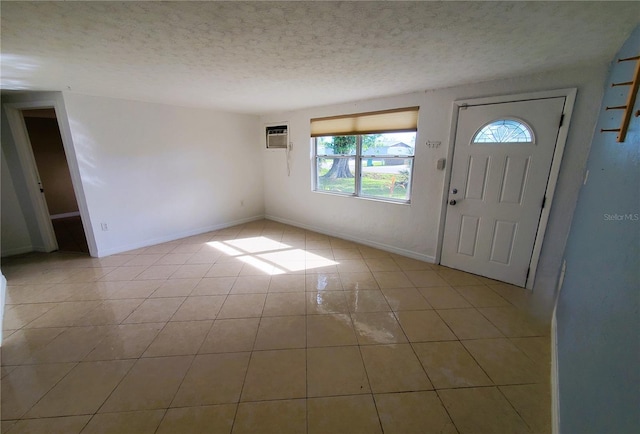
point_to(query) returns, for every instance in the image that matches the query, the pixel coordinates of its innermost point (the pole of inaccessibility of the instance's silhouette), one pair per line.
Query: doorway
(501, 180)
(55, 178)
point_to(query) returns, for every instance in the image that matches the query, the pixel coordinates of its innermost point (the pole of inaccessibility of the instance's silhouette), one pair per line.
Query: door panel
(514, 180)
(498, 189)
(502, 246)
(468, 235)
(477, 178)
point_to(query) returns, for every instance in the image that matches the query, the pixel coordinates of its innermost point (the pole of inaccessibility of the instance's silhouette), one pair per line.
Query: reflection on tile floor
(265, 327)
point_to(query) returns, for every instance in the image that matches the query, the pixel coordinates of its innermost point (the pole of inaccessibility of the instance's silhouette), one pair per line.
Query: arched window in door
(504, 131)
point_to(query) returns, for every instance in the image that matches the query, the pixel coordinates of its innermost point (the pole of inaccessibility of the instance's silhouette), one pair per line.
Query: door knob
(452, 202)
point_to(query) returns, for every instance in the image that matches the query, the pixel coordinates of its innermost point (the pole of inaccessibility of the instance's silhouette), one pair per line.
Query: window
(504, 131)
(366, 155)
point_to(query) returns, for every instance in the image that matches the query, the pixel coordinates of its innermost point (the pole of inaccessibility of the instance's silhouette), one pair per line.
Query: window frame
(359, 157)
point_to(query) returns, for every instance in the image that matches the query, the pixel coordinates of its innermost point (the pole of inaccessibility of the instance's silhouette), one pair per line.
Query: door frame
(27, 161)
(570, 96)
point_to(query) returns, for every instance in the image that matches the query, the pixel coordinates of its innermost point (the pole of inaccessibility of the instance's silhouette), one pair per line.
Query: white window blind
(396, 120)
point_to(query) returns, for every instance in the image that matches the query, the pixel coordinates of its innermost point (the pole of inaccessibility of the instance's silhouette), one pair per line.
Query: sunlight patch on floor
(271, 257)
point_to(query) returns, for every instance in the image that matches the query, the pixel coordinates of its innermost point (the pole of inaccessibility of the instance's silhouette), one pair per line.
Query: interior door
(501, 163)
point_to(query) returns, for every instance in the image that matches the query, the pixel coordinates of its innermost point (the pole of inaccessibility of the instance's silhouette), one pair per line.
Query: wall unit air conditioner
(277, 136)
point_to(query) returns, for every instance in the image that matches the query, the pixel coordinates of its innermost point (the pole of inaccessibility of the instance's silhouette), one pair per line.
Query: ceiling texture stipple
(259, 57)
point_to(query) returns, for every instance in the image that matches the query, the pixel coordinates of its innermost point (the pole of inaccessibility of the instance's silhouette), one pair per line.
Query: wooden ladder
(631, 100)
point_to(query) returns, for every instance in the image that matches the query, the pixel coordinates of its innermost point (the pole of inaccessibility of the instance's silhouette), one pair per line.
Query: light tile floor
(268, 328)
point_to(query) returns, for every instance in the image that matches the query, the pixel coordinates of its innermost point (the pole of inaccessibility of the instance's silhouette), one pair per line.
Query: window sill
(368, 198)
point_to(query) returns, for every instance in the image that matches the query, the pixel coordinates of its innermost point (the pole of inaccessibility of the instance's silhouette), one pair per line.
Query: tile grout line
(244, 381)
(186, 372)
(366, 373)
(21, 417)
(514, 408)
(447, 411)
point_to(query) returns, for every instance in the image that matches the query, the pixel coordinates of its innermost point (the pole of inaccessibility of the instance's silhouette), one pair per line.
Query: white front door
(502, 158)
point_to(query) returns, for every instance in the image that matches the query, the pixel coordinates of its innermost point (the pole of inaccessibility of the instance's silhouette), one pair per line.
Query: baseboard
(17, 251)
(555, 386)
(3, 293)
(190, 233)
(377, 245)
(176, 236)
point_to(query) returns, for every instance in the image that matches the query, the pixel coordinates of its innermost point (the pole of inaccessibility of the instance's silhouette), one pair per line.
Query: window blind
(396, 120)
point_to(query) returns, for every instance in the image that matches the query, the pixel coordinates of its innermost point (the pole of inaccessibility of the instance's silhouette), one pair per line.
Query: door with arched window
(501, 164)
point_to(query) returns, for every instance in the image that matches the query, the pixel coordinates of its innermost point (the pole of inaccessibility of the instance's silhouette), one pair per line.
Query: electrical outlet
(104, 227)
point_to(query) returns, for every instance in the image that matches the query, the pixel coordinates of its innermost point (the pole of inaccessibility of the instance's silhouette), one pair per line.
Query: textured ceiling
(259, 57)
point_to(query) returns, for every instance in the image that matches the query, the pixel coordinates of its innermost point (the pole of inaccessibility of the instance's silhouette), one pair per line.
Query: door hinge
(561, 120)
(544, 201)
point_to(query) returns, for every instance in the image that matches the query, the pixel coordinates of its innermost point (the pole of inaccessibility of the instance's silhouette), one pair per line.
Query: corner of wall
(3, 291)
(555, 388)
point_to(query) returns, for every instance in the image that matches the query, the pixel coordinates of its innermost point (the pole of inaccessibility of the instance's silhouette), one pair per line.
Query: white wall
(15, 238)
(155, 172)
(597, 312)
(413, 229)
